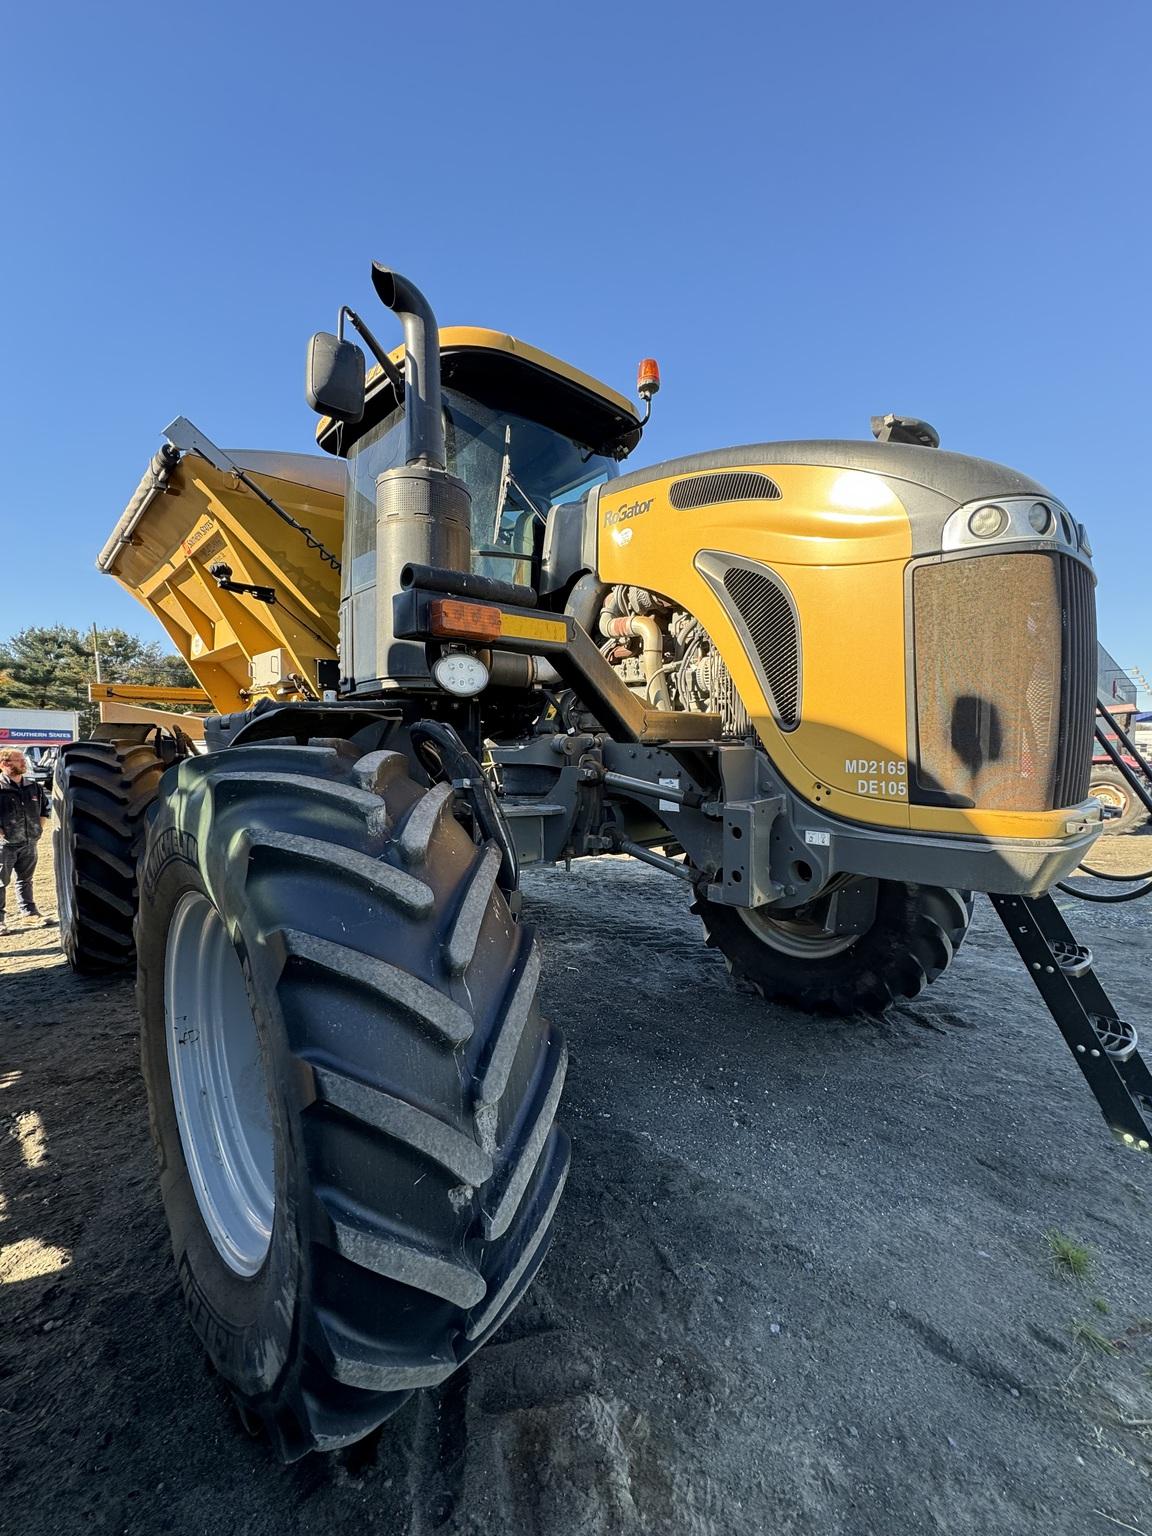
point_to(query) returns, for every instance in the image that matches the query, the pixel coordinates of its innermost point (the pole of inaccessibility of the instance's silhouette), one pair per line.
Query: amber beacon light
(647, 378)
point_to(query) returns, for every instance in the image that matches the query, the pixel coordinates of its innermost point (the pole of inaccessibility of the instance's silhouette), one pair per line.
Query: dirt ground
(801, 1280)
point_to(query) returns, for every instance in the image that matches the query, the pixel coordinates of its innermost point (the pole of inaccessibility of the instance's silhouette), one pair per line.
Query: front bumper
(1008, 866)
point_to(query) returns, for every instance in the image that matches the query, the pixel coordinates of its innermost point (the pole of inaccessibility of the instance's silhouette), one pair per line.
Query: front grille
(764, 605)
(1005, 674)
(1078, 684)
(738, 485)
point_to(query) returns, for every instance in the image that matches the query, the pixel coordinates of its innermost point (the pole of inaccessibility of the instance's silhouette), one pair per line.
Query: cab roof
(507, 374)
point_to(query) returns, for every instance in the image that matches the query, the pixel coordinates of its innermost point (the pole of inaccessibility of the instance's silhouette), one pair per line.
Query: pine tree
(51, 667)
(45, 668)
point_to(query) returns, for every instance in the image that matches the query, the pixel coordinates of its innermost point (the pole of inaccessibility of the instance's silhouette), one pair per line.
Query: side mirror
(335, 377)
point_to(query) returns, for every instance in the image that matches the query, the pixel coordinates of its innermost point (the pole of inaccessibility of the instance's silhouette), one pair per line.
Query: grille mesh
(1005, 679)
(1078, 684)
(766, 610)
(739, 485)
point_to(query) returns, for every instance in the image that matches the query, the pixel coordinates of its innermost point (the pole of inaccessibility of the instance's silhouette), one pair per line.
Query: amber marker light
(648, 378)
(463, 621)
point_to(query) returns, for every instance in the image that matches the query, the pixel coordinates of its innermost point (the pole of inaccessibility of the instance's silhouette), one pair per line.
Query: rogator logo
(622, 514)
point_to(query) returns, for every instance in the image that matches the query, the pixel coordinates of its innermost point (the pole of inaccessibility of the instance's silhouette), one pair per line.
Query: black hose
(1109, 901)
(585, 602)
(458, 763)
(1099, 874)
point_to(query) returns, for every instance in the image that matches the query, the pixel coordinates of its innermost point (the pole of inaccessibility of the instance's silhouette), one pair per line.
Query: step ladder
(1104, 1045)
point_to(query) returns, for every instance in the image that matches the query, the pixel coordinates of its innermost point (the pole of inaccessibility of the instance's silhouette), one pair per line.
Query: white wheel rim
(1110, 795)
(801, 939)
(219, 1085)
(65, 868)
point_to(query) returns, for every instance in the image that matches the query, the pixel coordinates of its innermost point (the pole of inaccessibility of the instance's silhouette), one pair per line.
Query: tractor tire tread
(101, 794)
(915, 936)
(440, 1072)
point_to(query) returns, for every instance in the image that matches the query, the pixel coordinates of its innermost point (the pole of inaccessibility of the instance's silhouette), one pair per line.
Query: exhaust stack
(423, 415)
(423, 514)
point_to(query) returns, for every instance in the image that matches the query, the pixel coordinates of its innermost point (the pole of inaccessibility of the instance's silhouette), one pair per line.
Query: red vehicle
(1122, 808)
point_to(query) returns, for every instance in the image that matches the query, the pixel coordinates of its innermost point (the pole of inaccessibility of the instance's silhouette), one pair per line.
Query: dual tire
(329, 969)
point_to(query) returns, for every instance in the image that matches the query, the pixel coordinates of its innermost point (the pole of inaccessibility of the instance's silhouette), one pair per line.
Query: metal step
(1073, 959)
(1105, 1047)
(1118, 1038)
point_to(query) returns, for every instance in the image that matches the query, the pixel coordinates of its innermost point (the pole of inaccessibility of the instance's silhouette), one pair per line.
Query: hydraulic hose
(459, 764)
(585, 602)
(1109, 901)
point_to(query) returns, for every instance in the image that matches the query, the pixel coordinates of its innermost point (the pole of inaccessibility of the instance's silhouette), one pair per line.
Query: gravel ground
(800, 1283)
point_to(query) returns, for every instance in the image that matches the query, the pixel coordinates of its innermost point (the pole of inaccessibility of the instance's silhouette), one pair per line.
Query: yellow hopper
(237, 555)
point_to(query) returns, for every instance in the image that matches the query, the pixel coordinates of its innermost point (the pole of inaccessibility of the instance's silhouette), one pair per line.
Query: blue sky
(808, 213)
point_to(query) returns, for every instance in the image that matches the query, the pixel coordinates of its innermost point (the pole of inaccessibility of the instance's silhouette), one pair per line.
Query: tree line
(50, 667)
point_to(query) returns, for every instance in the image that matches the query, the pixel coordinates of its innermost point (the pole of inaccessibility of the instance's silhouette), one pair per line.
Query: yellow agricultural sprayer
(831, 687)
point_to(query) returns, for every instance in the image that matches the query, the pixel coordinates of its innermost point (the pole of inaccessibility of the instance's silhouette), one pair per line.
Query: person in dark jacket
(23, 812)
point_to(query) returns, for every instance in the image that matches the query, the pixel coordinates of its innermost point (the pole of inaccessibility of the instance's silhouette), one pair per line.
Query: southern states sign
(38, 727)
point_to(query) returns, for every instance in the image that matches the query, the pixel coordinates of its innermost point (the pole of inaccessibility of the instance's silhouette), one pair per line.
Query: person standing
(23, 812)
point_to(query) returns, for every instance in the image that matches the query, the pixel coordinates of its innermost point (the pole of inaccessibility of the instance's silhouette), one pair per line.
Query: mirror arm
(392, 373)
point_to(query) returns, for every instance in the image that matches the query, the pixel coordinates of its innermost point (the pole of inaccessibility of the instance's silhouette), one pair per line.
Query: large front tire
(101, 791)
(911, 942)
(326, 927)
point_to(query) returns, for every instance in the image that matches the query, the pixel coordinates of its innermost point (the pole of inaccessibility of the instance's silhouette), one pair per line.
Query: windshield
(515, 469)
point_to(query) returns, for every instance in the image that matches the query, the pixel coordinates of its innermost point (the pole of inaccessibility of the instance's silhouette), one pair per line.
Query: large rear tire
(327, 964)
(101, 791)
(911, 942)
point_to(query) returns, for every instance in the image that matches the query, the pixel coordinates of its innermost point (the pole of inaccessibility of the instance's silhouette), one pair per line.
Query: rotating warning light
(647, 378)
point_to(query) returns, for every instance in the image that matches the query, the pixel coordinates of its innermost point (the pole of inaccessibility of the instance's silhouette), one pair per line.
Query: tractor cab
(524, 431)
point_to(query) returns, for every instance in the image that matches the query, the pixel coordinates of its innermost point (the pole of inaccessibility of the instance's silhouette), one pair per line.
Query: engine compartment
(667, 657)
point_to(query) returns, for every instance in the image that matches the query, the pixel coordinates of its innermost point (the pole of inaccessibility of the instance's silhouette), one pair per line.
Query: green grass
(1091, 1338)
(1101, 1305)
(1069, 1257)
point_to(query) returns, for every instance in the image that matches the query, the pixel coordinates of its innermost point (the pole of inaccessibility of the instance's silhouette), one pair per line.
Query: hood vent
(735, 485)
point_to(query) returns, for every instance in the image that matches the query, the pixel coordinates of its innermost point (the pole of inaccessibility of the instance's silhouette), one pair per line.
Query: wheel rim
(1110, 795)
(219, 1085)
(62, 859)
(802, 938)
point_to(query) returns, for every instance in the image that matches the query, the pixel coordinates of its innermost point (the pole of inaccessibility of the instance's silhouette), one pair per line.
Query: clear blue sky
(809, 213)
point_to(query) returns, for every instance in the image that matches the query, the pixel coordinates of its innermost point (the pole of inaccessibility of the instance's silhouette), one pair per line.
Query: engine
(667, 657)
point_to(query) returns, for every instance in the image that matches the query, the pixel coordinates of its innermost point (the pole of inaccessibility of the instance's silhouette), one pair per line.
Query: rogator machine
(831, 687)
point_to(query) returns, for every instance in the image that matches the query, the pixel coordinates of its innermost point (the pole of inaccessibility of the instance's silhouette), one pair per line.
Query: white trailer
(38, 728)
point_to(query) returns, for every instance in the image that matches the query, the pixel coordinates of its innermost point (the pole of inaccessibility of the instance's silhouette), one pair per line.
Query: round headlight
(987, 522)
(1040, 517)
(1085, 546)
(460, 672)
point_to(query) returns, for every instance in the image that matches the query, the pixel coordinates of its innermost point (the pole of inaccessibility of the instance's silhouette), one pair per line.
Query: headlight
(1040, 516)
(461, 673)
(987, 522)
